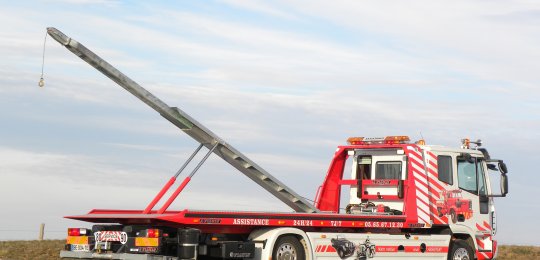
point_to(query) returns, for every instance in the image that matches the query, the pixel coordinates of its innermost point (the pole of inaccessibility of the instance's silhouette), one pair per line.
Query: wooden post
(41, 231)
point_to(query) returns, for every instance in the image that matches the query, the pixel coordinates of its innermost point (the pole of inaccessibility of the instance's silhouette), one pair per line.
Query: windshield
(467, 176)
(471, 176)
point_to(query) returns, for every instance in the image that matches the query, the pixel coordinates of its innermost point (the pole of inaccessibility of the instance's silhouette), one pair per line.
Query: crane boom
(189, 125)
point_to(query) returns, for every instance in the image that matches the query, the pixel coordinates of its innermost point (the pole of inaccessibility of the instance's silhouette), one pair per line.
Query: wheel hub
(461, 254)
(286, 252)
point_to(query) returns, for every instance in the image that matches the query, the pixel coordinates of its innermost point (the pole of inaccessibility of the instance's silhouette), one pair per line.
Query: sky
(284, 82)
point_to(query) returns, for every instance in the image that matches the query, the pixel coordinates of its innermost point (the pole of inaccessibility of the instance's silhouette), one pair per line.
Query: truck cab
(440, 187)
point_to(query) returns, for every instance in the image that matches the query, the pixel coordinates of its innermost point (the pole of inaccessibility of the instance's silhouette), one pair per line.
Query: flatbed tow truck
(394, 211)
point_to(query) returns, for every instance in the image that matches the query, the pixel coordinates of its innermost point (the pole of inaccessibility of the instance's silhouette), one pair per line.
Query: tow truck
(393, 210)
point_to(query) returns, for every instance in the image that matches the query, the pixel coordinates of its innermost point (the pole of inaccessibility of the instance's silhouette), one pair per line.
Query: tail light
(153, 233)
(75, 232)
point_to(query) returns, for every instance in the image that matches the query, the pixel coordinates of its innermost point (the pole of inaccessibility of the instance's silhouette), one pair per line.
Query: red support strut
(160, 195)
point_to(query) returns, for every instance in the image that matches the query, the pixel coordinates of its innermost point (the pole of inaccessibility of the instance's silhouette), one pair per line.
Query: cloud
(89, 2)
(260, 7)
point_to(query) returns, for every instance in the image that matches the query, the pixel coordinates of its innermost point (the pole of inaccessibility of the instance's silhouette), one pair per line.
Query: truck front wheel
(288, 248)
(460, 251)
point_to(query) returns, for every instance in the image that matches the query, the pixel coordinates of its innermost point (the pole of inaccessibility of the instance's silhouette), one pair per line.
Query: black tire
(460, 250)
(288, 248)
(341, 254)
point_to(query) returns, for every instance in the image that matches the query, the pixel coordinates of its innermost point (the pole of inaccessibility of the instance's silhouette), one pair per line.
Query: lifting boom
(190, 126)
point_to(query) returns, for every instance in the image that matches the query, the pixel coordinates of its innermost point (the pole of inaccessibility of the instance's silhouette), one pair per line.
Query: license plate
(80, 248)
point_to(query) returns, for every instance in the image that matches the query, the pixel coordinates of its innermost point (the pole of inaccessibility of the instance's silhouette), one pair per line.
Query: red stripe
(480, 243)
(429, 249)
(435, 182)
(432, 155)
(421, 165)
(435, 192)
(427, 213)
(434, 164)
(480, 227)
(434, 210)
(487, 225)
(415, 157)
(418, 183)
(484, 255)
(386, 249)
(437, 249)
(425, 221)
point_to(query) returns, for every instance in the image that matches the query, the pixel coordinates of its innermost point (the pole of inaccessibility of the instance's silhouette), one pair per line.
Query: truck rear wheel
(288, 248)
(461, 251)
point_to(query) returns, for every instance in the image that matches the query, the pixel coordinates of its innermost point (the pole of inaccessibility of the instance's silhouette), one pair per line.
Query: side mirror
(492, 167)
(504, 184)
(502, 167)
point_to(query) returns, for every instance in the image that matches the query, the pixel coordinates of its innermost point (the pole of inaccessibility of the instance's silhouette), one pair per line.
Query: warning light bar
(399, 139)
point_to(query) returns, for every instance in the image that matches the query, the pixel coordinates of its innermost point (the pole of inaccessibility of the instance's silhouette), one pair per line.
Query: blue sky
(284, 82)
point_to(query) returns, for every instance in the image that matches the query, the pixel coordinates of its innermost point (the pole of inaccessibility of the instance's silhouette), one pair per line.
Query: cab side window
(444, 164)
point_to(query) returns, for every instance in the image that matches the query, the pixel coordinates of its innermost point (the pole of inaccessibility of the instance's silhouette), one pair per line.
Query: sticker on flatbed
(111, 236)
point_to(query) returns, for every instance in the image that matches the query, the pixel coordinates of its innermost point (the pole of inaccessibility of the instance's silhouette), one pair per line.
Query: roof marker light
(355, 140)
(398, 139)
(465, 143)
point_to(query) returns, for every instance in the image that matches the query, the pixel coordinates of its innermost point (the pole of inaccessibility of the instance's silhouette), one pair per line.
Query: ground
(49, 249)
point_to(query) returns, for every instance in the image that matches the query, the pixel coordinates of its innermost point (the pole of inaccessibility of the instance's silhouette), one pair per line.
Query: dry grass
(50, 249)
(518, 252)
(42, 250)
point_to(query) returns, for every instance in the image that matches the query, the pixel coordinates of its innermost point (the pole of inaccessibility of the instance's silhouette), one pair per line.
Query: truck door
(472, 182)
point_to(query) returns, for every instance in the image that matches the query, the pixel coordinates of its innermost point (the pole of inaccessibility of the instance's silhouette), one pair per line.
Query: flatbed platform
(241, 221)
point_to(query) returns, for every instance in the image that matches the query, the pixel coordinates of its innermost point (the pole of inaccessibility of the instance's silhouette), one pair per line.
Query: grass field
(49, 249)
